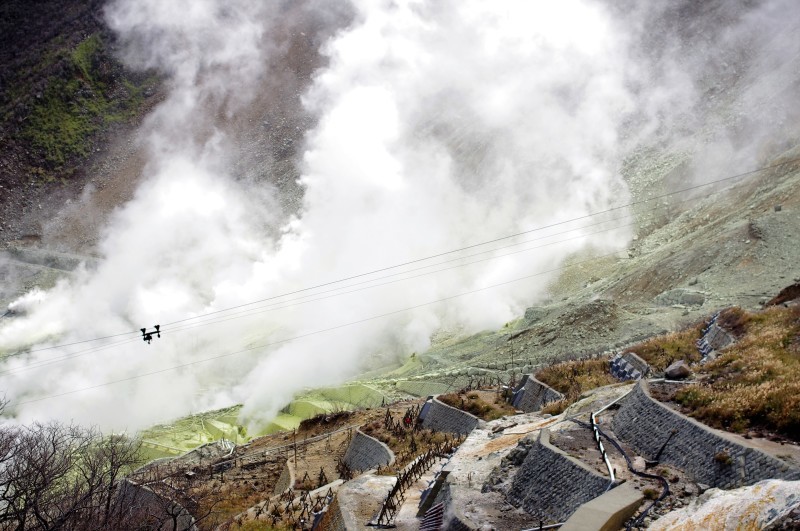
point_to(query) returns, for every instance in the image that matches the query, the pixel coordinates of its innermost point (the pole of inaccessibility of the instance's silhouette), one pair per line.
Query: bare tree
(54, 476)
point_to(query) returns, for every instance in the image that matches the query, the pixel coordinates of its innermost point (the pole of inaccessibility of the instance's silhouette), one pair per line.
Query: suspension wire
(287, 304)
(313, 333)
(277, 306)
(67, 357)
(472, 246)
(299, 300)
(543, 227)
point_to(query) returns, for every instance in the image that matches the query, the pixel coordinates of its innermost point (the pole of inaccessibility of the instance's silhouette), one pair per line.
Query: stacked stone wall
(551, 485)
(533, 395)
(441, 417)
(286, 479)
(717, 337)
(333, 520)
(636, 362)
(365, 453)
(659, 433)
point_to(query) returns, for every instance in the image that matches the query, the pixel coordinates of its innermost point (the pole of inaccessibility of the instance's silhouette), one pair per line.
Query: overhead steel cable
(296, 302)
(338, 291)
(292, 303)
(243, 313)
(72, 355)
(309, 334)
(472, 246)
(418, 260)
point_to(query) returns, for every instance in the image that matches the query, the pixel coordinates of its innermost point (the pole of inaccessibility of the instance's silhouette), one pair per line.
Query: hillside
(336, 212)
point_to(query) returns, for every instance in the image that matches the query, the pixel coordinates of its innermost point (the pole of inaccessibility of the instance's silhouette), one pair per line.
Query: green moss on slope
(86, 96)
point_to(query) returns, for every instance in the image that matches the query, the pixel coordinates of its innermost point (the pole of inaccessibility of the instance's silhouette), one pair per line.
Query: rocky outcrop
(753, 507)
(678, 370)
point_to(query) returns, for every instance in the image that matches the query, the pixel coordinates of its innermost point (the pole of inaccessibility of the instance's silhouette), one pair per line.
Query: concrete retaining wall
(365, 453)
(286, 480)
(607, 512)
(717, 337)
(333, 519)
(532, 395)
(628, 366)
(551, 485)
(650, 428)
(441, 417)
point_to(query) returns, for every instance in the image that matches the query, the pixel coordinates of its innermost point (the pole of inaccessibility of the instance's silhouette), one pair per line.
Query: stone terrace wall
(333, 519)
(636, 362)
(648, 425)
(286, 480)
(365, 453)
(532, 395)
(717, 337)
(550, 485)
(441, 417)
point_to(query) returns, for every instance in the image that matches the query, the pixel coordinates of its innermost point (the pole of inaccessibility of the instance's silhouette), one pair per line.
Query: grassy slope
(752, 385)
(755, 383)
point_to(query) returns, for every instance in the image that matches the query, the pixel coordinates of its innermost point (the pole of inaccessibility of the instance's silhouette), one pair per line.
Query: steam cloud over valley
(433, 126)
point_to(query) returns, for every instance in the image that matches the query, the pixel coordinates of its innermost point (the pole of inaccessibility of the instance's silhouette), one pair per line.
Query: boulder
(678, 371)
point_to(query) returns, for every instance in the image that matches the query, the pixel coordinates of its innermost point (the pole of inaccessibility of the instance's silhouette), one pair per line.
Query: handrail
(596, 432)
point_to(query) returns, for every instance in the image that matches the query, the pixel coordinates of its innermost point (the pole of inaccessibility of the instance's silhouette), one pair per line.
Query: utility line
(556, 224)
(275, 306)
(47, 362)
(242, 313)
(299, 300)
(418, 260)
(313, 333)
(67, 357)
(288, 304)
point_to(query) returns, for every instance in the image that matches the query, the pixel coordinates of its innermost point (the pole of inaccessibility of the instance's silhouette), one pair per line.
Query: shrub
(650, 494)
(572, 378)
(723, 457)
(557, 407)
(660, 352)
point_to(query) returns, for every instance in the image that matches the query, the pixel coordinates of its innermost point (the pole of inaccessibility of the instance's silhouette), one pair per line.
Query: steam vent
(410, 264)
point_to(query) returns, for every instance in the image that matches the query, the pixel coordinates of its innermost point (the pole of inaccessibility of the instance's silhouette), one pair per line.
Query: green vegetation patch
(755, 383)
(357, 395)
(85, 95)
(282, 422)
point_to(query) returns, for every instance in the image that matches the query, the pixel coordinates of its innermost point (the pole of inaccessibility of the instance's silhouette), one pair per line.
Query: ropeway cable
(360, 275)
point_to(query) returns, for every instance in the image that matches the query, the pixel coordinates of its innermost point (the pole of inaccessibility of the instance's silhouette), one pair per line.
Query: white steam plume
(441, 124)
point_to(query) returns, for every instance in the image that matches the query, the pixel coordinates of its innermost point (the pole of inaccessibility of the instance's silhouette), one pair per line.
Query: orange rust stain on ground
(500, 443)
